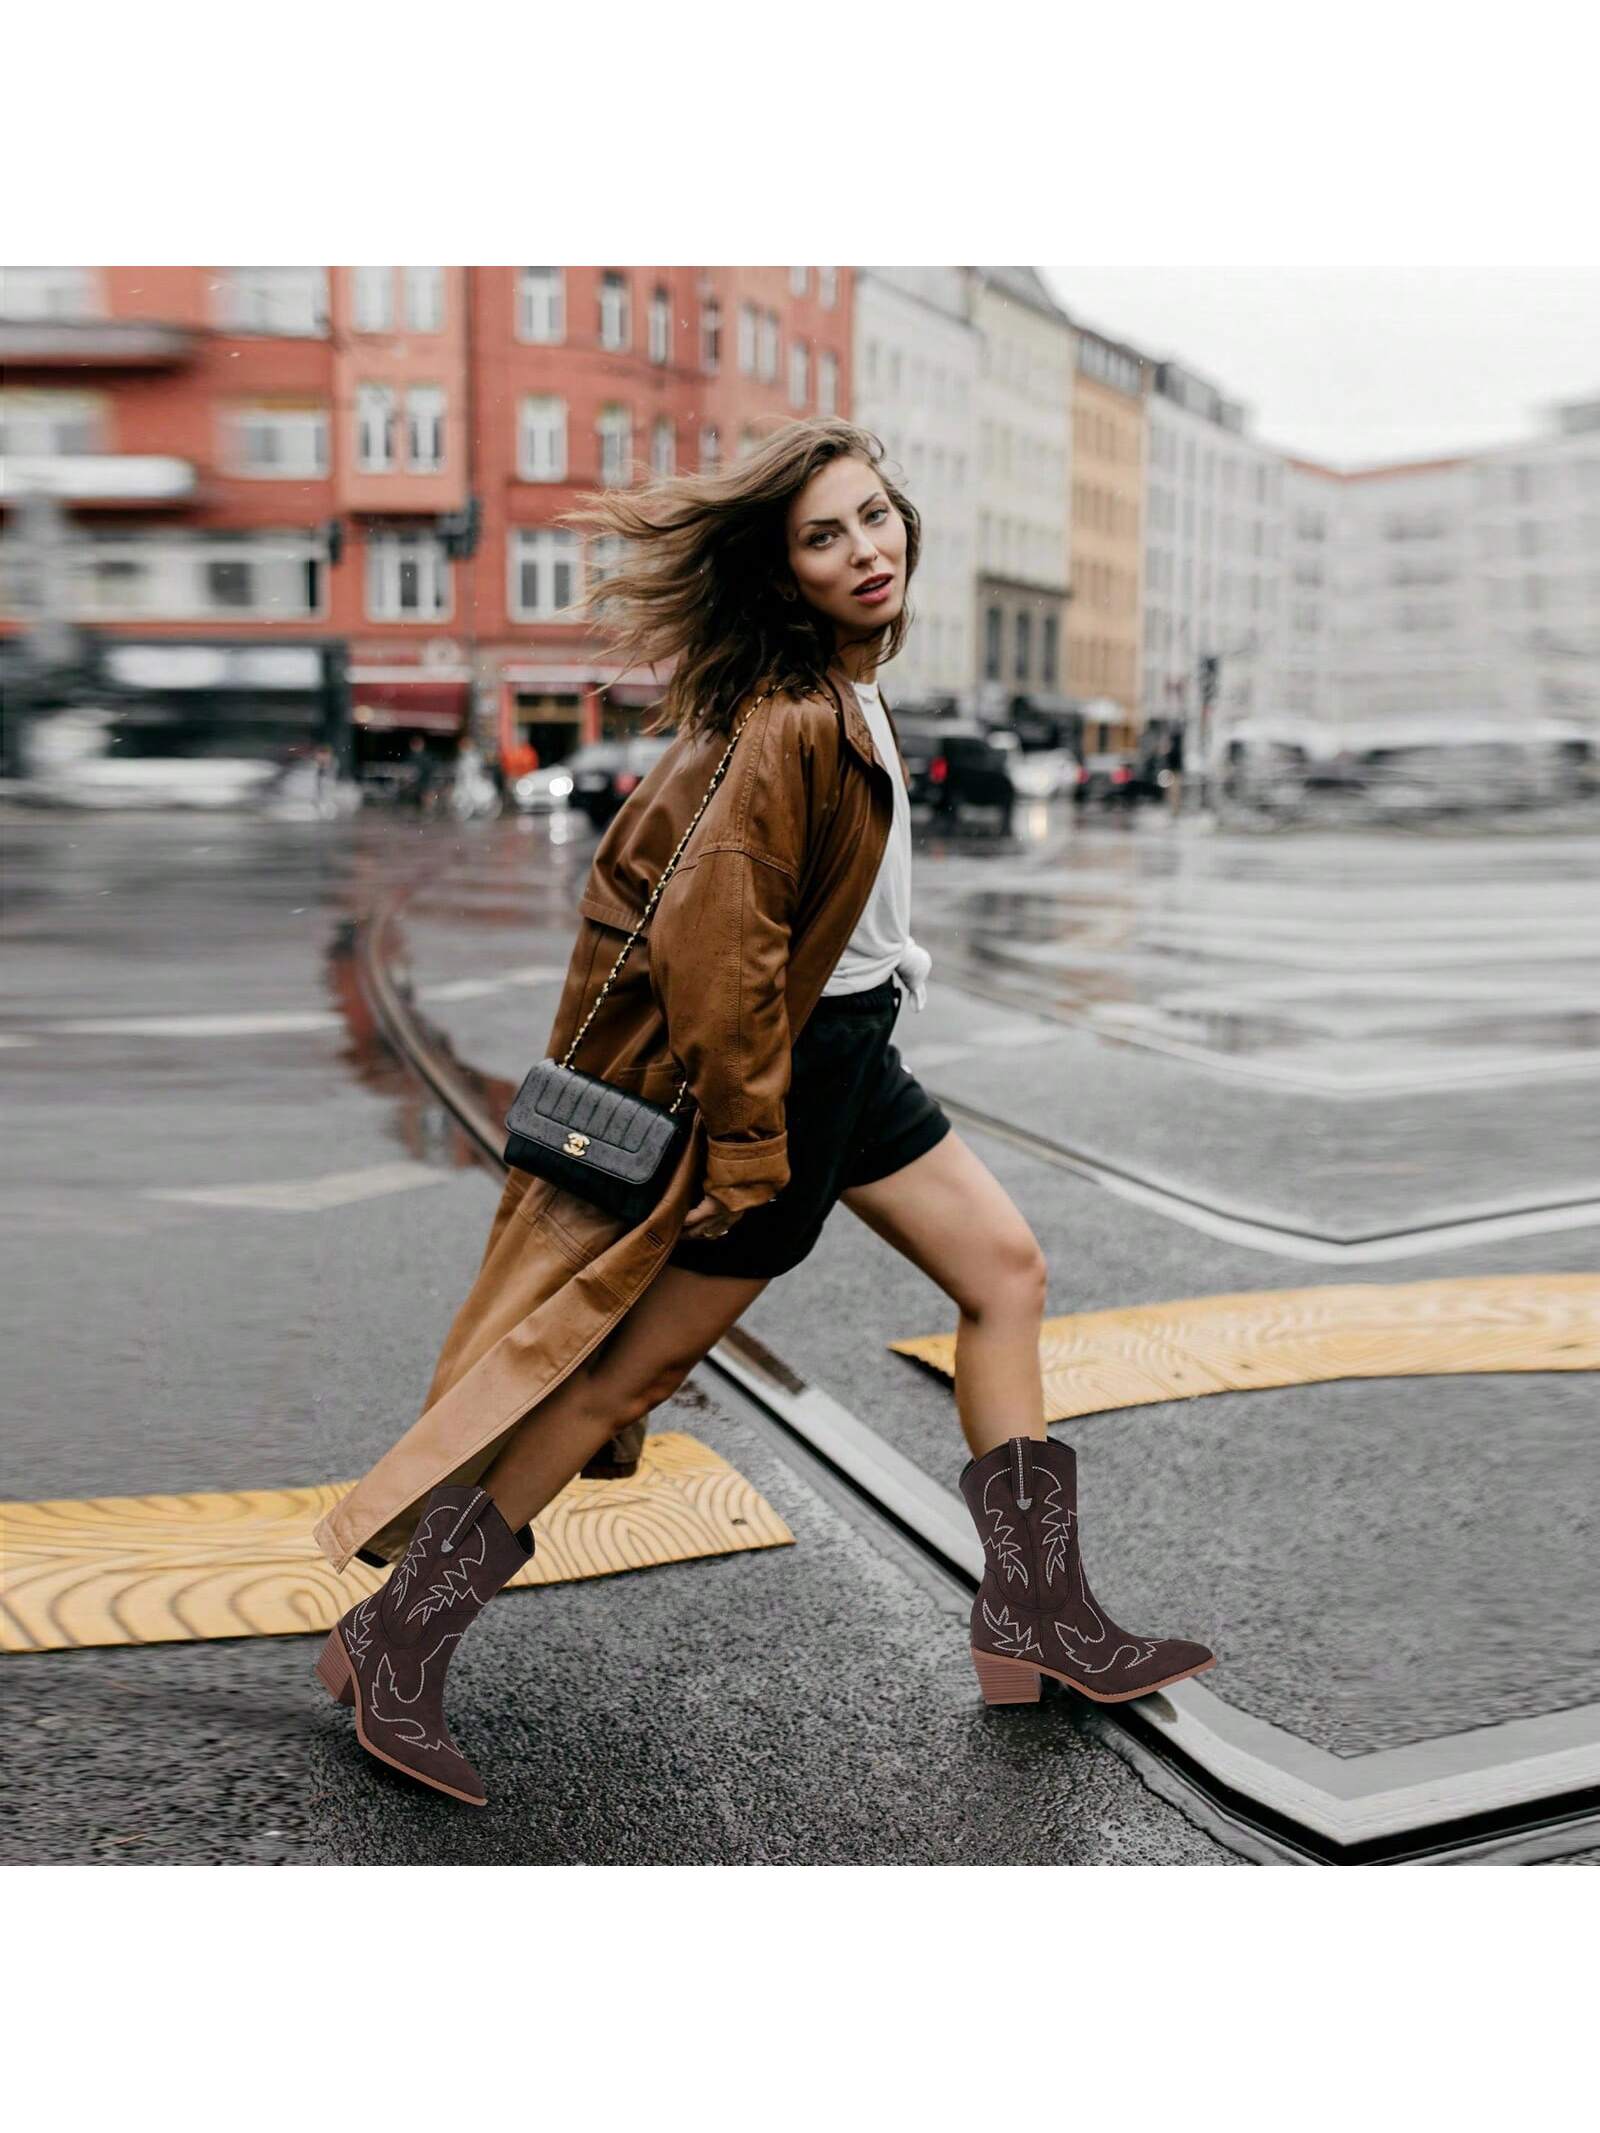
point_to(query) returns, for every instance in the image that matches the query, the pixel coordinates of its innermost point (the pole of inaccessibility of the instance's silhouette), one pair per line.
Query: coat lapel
(859, 733)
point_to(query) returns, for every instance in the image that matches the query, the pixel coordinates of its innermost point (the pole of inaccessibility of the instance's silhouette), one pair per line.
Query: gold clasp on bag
(576, 1143)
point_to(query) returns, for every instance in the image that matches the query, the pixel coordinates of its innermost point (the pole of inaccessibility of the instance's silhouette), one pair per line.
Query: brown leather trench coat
(746, 934)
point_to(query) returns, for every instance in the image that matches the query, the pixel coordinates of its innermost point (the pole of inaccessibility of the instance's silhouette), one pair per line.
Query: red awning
(418, 706)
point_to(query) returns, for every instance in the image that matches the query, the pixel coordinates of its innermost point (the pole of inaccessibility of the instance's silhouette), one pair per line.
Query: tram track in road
(1523, 1792)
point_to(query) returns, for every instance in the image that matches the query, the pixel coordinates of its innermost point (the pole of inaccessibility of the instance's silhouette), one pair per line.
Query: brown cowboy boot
(388, 1655)
(1034, 1613)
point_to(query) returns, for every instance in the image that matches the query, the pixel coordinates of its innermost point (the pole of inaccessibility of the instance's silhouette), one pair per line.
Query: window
(710, 448)
(711, 336)
(749, 441)
(607, 552)
(615, 328)
(663, 446)
(541, 304)
(661, 327)
(282, 300)
(544, 573)
(747, 340)
(1024, 623)
(827, 385)
(799, 374)
(425, 428)
(279, 443)
(424, 299)
(827, 287)
(374, 429)
(47, 292)
(615, 432)
(768, 366)
(408, 578)
(1049, 652)
(799, 280)
(49, 425)
(178, 578)
(542, 438)
(230, 583)
(991, 644)
(374, 299)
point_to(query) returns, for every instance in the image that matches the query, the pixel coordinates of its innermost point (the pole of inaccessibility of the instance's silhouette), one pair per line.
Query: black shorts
(854, 1112)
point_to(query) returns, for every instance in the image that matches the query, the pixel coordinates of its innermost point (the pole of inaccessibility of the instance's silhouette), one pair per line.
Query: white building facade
(1026, 343)
(1536, 530)
(1213, 553)
(916, 378)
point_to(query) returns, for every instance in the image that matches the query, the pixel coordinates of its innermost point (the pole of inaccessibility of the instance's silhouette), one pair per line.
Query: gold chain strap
(716, 777)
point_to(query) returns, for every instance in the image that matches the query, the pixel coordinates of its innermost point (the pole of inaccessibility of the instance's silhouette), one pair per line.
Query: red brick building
(328, 498)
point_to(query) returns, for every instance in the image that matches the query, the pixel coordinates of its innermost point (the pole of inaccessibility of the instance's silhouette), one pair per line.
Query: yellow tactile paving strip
(1103, 1360)
(169, 1569)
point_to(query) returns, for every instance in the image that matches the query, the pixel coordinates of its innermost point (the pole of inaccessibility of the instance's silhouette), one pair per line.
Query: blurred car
(1107, 781)
(543, 791)
(956, 763)
(301, 792)
(75, 760)
(1045, 773)
(605, 772)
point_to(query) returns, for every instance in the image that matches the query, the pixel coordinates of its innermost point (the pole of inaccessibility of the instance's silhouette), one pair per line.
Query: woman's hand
(708, 1218)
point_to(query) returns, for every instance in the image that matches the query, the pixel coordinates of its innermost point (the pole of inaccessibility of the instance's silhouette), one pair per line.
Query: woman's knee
(628, 1396)
(1015, 1276)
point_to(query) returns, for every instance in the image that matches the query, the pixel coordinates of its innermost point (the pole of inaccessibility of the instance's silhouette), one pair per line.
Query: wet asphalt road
(183, 1018)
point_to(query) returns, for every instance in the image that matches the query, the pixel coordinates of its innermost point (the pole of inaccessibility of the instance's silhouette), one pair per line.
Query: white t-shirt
(882, 942)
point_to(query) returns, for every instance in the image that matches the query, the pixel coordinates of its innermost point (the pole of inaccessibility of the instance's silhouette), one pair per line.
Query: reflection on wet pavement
(1350, 966)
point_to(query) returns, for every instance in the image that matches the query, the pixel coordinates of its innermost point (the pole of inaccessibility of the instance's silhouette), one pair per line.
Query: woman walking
(766, 980)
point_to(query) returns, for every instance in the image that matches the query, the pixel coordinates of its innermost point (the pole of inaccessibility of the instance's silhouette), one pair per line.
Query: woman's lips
(876, 591)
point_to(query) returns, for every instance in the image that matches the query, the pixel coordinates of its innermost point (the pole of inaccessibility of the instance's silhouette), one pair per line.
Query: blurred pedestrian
(768, 995)
(1174, 770)
(421, 773)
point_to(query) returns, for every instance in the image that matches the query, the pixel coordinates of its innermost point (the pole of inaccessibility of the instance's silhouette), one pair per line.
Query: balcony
(93, 344)
(98, 478)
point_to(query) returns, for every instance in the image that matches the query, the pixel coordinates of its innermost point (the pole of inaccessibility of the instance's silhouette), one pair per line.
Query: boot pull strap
(1022, 1472)
(448, 1545)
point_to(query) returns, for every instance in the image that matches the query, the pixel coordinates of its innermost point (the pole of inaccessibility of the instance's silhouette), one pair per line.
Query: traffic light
(459, 530)
(1210, 667)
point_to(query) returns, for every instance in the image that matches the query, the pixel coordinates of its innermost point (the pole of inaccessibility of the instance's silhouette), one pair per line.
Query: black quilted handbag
(608, 1146)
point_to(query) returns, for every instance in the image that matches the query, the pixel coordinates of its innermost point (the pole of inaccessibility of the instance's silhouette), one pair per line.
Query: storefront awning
(410, 706)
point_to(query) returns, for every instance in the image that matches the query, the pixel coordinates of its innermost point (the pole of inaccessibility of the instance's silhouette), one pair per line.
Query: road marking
(287, 1022)
(1454, 1233)
(171, 1569)
(304, 1196)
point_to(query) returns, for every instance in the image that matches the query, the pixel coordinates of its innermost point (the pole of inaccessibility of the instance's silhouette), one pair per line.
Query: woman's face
(847, 549)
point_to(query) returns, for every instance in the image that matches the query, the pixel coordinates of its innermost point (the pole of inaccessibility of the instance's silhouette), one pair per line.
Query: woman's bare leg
(644, 1359)
(948, 1214)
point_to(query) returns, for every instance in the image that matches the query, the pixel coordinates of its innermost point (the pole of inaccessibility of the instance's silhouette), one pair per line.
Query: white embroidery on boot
(1003, 1540)
(1056, 1526)
(1075, 1640)
(410, 1730)
(1014, 1639)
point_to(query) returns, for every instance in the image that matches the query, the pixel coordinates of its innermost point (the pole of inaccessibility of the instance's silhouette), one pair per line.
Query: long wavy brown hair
(703, 572)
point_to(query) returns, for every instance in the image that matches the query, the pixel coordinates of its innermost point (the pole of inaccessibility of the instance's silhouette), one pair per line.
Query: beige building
(1106, 539)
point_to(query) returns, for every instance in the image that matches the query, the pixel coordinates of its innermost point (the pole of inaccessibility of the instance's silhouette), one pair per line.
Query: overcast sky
(1355, 364)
